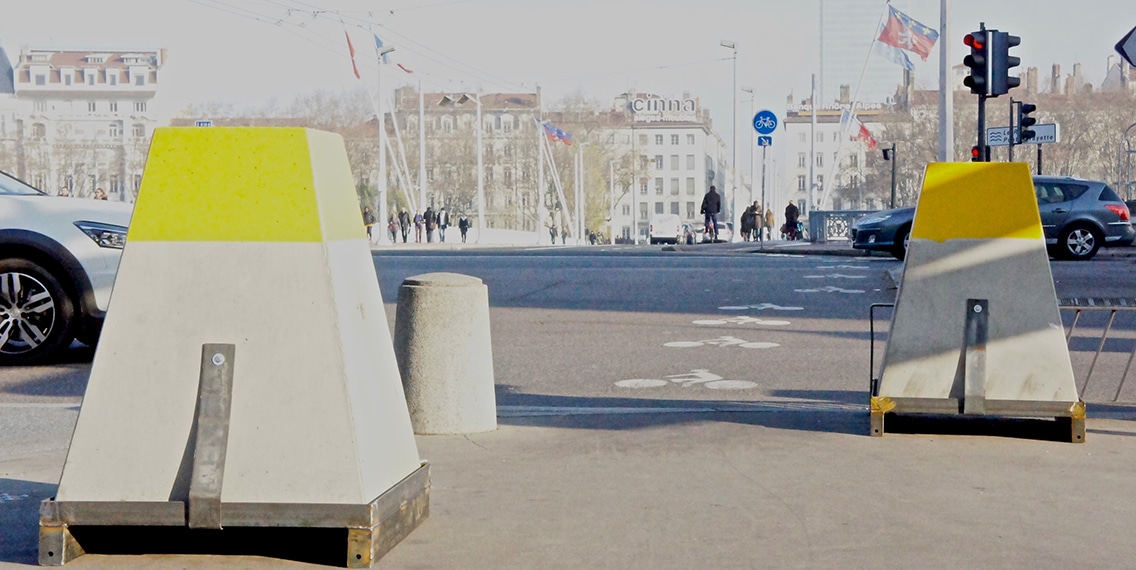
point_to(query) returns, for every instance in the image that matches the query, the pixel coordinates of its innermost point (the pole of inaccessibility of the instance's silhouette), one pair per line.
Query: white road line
(530, 411)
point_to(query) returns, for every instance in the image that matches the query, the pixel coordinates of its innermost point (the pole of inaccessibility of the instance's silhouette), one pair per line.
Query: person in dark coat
(791, 215)
(463, 226)
(430, 217)
(443, 223)
(368, 220)
(404, 223)
(749, 222)
(711, 207)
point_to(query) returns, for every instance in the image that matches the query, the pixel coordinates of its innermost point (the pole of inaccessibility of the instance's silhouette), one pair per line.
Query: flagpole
(421, 145)
(382, 189)
(946, 94)
(851, 111)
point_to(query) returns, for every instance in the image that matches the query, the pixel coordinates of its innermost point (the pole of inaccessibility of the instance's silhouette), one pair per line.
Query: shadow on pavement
(19, 519)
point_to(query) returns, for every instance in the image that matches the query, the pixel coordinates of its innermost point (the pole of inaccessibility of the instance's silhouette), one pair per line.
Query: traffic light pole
(982, 155)
(1012, 113)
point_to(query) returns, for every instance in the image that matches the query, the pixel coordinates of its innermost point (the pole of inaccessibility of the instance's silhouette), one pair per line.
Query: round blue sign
(765, 122)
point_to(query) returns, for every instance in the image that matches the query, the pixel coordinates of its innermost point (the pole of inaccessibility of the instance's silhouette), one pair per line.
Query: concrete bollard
(444, 353)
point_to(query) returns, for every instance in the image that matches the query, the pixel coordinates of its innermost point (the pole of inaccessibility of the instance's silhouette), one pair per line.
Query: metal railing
(833, 225)
(1076, 306)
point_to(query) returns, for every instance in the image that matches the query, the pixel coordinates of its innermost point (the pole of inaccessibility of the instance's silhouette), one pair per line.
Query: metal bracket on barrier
(974, 366)
(211, 439)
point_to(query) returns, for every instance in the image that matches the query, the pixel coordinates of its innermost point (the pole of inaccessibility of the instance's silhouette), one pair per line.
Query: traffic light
(974, 154)
(1001, 61)
(1025, 121)
(978, 61)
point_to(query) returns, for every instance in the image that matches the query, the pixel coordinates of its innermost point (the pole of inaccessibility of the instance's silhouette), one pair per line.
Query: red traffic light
(974, 154)
(974, 41)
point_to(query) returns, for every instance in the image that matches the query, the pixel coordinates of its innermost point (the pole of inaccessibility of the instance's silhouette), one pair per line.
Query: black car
(1078, 217)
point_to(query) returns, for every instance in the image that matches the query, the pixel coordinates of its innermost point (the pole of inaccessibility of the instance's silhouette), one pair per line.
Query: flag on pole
(556, 135)
(856, 130)
(351, 50)
(894, 55)
(905, 33)
(379, 48)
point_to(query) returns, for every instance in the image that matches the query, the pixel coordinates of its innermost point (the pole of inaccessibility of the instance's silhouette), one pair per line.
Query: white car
(58, 260)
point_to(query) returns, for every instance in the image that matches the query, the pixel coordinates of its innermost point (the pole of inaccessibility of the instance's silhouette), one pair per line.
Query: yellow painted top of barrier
(246, 184)
(977, 200)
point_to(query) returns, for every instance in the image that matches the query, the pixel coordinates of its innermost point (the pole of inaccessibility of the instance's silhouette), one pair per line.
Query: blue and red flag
(556, 135)
(905, 33)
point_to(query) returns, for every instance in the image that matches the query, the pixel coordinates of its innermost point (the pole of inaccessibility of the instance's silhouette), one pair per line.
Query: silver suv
(1080, 216)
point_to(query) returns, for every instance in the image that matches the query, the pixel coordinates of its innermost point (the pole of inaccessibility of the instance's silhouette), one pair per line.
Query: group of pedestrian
(428, 223)
(756, 223)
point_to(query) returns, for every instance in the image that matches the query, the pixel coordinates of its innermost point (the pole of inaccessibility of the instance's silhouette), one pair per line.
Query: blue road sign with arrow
(764, 141)
(765, 122)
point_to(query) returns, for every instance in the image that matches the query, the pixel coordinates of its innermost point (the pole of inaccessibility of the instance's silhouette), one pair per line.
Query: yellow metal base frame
(373, 529)
(1072, 416)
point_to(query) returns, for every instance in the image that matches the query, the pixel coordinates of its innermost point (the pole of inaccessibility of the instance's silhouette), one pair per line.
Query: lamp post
(384, 236)
(462, 99)
(611, 211)
(757, 223)
(734, 139)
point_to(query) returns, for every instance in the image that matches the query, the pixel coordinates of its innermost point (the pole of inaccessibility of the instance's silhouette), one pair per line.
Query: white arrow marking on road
(828, 290)
(720, 341)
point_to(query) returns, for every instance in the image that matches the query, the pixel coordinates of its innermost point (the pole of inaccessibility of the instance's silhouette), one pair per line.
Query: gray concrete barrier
(444, 353)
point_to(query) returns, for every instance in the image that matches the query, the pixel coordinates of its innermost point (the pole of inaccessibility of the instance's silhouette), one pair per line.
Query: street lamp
(757, 225)
(734, 140)
(384, 236)
(461, 100)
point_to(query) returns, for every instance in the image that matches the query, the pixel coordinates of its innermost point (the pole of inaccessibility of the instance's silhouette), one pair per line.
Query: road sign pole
(982, 129)
(765, 205)
(1012, 103)
(1039, 160)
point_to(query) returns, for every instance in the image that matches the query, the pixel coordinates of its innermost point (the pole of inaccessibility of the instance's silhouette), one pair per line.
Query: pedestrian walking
(368, 220)
(404, 223)
(100, 194)
(419, 225)
(463, 226)
(443, 223)
(431, 220)
(769, 223)
(552, 233)
(711, 207)
(749, 218)
(392, 228)
(790, 227)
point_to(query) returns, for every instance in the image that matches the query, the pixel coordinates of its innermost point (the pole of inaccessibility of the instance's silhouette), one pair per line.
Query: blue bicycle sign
(765, 122)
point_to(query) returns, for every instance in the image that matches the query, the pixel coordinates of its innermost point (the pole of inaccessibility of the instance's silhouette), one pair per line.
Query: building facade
(75, 121)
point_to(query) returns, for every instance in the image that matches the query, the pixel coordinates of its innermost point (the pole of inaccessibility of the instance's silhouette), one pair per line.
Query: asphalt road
(611, 327)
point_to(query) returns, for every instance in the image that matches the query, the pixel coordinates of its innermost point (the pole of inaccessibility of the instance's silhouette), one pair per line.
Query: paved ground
(721, 485)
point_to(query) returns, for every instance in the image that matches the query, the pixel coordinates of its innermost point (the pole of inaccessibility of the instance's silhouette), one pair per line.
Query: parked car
(1078, 217)
(58, 260)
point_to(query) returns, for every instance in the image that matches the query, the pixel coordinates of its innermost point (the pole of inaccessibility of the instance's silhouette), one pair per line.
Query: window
(674, 140)
(508, 176)
(820, 181)
(659, 140)
(659, 186)
(642, 211)
(139, 79)
(674, 208)
(643, 140)
(689, 139)
(801, 160)
(91, 107)
(114, 106)
(674, 188)
(113, 131)
(820, 160)
(40, 106)
(139, 131)
(836, 136)
(626, 209)
(90, 77)
(854, 161)
(690, 209)
(139, 106)
(674, 162)
(690, 162)
(112, 77)
(66, 78)
(38, 130)
(690, 186)
(801, 184)
(658, 207)
(643, 161)
(643, 187)
(41, 79)
(658, 161)
(801, 137)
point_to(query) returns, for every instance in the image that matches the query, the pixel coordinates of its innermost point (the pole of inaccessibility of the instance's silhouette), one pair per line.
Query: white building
(80, 120)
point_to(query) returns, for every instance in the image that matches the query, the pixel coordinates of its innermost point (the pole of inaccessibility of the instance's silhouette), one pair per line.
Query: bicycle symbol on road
(695, 377)
(720, 341)
(760, 307)
(740, 321)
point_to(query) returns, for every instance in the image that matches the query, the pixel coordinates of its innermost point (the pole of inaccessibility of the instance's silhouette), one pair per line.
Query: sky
(249, 52)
